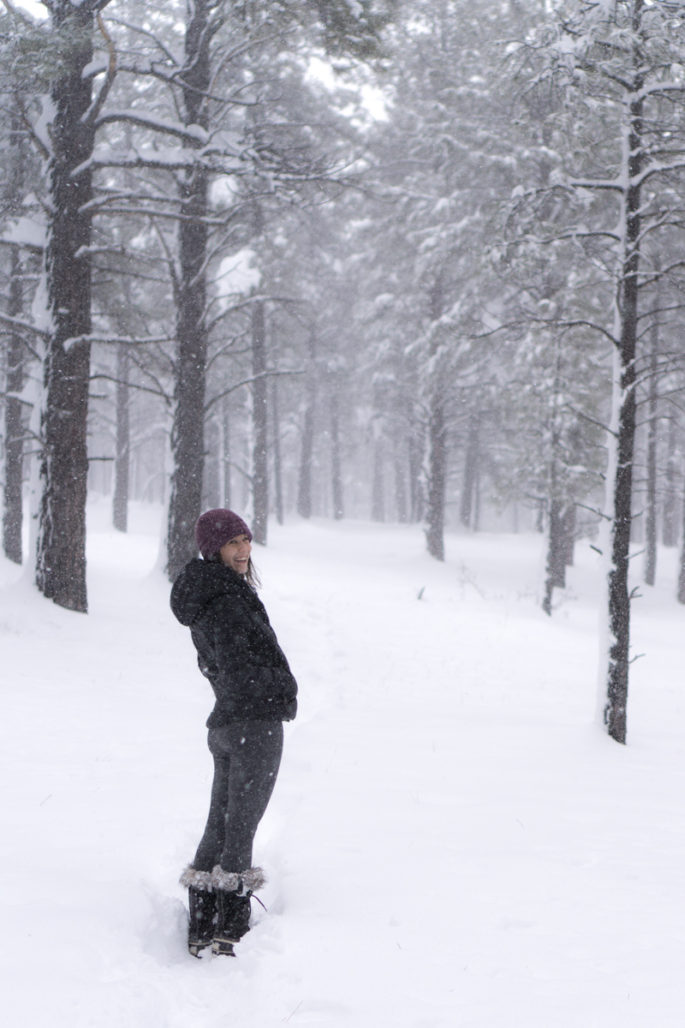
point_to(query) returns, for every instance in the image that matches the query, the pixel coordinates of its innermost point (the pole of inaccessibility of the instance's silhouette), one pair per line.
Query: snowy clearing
(452, 840)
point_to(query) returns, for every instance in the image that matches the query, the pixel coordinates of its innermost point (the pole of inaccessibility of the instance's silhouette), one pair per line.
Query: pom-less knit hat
(216, 527)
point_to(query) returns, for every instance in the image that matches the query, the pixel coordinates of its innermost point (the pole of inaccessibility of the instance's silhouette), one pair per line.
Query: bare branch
(248, 381)
(91, 115)
(24, 326)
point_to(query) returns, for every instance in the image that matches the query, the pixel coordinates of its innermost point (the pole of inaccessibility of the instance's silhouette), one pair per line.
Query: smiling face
(236, 553)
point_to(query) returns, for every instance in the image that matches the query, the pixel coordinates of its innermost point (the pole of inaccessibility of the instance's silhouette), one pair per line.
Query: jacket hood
(199, 583)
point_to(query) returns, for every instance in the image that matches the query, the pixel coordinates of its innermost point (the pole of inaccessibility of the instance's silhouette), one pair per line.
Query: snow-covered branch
(111, 340)
(23, 326)
(193, 135)
(250, 381)
(90, 117)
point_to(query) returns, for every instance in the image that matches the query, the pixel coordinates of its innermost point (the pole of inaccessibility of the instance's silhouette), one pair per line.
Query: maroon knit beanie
(216, 527)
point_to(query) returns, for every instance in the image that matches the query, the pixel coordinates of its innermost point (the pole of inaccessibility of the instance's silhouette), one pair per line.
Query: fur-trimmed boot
(202, 909)
(233, 891)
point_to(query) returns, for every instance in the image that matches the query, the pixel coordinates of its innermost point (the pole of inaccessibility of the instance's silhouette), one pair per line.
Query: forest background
(419, 262)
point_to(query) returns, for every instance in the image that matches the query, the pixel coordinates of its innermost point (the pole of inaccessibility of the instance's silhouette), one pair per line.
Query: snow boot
(202, 909)
(233, 892)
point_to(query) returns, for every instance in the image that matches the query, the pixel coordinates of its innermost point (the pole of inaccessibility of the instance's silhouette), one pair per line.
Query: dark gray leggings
(246, 756)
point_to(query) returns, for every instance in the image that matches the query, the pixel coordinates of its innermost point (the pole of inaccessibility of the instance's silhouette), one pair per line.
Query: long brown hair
(251, 576)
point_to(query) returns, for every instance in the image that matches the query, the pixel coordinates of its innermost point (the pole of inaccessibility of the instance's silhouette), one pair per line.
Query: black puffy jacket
(237, 649)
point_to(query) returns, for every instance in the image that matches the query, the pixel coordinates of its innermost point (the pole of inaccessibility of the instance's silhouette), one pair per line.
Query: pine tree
(615, 62)
(61, 556)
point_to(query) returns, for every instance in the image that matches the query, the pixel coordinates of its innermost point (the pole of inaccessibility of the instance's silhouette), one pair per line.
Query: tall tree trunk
(226, 485)
(187, 434)
(437, 441)
(670, 527)
(470, 477)
(378, 481)
(652, 425)
(260, 409)
(122, 458)
(416, 496)
(336, 459)
(304, 484)
(211, 491)
(437, 477)
(620, 477)
(681, 573)
(400, 478)
(569, 532)
(12, 518)
(61, 546)
(12, 521)
(555, 567)
(276, 443)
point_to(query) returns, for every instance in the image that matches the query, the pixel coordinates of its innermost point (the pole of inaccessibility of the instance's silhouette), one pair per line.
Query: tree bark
(12, 519)
(304, 485)
(226, 483)
(681, 573)
(555, 567)
(378, 481)
(336, 459)
(260, 409)
(437, 441)
(61, 547)
(470, 477)
(122, 458)
(400, 477)
(187, 435)
(670, 527)
(437, 478)
(416, 495)
(569, 533)
(615, 709)
(211, 489)
(276, 443)
(652, 425)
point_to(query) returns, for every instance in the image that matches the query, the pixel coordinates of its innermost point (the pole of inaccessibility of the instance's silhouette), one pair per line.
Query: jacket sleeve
(252, 677)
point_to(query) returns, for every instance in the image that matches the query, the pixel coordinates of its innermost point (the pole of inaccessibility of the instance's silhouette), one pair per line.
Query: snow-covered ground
(452, 843)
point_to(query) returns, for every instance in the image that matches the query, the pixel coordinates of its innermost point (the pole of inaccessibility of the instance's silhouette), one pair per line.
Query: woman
(255, 692)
